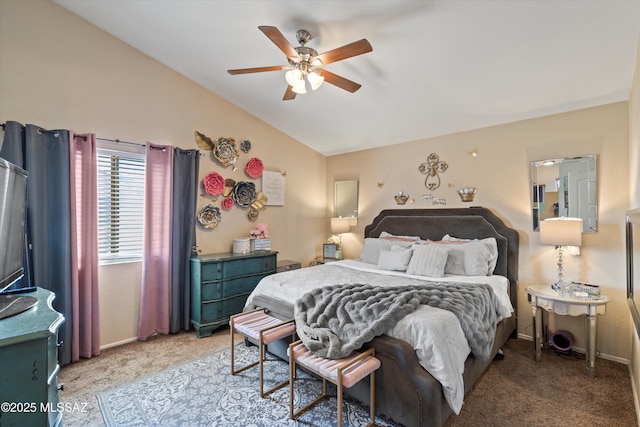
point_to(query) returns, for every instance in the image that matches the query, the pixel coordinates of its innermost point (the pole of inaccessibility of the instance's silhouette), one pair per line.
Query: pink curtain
(84, 247)
(155, 301)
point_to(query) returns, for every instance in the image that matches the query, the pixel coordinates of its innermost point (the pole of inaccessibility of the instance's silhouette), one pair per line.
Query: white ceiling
(437, 66)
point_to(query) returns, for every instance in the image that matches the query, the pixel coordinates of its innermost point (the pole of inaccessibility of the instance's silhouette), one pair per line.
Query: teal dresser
(221, 283)
(29, 371)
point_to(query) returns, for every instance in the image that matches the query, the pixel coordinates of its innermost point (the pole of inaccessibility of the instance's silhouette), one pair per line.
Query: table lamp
(339, 226)
(561, 232)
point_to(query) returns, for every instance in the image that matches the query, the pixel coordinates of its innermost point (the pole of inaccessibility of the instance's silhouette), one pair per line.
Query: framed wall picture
(329, 250)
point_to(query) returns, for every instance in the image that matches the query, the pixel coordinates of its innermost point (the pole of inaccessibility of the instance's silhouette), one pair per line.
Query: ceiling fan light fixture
(315, 80)
(299, 87)
(293, 76)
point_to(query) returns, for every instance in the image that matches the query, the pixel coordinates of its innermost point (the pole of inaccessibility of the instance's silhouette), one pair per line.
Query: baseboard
(115, 344)
(583, 351)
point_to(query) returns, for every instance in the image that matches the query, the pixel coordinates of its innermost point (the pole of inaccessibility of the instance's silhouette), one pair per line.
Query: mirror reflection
(345, 195)
(565, 187)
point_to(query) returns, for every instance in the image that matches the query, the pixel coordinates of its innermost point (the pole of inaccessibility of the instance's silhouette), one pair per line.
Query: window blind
(120, 206)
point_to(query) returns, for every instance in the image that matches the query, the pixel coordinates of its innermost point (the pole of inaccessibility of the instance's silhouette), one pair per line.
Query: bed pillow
(372, 247)
(491, 245)
(469, 259)
(428, 260)
(397, 258)
(389, 236)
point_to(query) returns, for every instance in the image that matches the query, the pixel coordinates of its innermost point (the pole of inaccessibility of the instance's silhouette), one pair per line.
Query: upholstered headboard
(471, 223)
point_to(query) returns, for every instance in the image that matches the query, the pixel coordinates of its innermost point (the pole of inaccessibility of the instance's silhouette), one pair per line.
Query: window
(120, 205)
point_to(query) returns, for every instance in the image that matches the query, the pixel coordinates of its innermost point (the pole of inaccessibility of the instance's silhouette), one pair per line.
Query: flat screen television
(632, 232)
(13, 205)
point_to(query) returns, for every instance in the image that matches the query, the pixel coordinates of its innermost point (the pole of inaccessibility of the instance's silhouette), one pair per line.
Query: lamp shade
(340, 225)
(561, 232)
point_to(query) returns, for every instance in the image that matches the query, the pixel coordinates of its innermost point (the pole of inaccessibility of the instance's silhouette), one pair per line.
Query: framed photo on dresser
(329, 250)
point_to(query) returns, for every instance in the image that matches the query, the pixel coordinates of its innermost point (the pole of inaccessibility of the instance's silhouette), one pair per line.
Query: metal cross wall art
(431, 167)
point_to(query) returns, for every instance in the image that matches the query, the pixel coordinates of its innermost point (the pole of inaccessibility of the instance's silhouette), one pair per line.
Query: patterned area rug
(204, 393)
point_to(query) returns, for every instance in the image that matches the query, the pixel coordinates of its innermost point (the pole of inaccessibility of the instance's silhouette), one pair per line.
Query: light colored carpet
(204, 393)
(513, 392)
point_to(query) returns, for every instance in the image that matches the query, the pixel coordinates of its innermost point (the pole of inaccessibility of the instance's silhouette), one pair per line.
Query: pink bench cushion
(252, 323)
(328, 368)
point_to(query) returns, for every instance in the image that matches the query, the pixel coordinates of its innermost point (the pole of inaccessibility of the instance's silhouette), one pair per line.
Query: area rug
(204, 393)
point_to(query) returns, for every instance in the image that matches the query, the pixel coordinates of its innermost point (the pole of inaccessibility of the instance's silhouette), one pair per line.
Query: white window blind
(120, 206)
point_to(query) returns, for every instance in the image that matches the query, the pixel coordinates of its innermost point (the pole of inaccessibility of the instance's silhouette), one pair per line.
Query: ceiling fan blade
(339, 81)
(346, 51)
(257, 70)
(279, 40)
(289, 94)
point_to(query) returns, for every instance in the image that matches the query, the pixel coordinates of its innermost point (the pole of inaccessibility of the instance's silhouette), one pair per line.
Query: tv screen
(13, 201)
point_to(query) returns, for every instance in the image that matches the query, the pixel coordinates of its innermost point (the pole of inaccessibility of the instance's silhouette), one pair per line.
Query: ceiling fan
(305, 62)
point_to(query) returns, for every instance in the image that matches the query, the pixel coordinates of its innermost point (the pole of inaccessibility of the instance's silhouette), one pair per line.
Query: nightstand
(544, 297)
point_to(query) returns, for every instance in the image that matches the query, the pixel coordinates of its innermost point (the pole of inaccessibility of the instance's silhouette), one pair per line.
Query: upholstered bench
(265, 329)
(341, 372)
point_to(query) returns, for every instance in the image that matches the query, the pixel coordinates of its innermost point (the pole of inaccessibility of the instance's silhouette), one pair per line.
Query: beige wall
(501, 172)
(634, 165)
(59, 71)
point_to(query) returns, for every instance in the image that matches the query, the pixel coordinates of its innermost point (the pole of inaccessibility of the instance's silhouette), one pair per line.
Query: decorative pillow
(372, 247)
(490, 243)
(389, 236)
(397, 258)
(428, 260)
(469, 259)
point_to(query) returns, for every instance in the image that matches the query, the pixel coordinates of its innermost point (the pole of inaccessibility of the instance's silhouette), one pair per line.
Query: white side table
(543, 297)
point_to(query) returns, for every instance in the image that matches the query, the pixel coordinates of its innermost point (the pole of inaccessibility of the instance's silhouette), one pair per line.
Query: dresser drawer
(231, 287)
(239, 267)
(221, 310)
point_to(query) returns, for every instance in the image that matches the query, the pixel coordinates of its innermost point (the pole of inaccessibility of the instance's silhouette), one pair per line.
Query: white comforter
(435, 334)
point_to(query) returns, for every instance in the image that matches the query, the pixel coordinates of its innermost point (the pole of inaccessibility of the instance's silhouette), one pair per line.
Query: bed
(407, 392)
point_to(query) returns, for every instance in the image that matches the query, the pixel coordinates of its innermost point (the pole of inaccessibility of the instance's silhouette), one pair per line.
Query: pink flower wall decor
(227, 203)
(213, 184)
(254, 168)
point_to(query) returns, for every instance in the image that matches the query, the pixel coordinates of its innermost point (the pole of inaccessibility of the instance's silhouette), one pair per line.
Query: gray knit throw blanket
(336, 320)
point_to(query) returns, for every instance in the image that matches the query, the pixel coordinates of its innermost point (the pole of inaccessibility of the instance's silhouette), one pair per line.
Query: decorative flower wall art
(213, 184)
(241, 193)
(209, 216)
(224, 150)
(245, 146)
(254, 168)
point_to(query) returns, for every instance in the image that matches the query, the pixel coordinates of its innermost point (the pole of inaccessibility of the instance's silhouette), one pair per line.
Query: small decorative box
(591, 290)
(260, 244)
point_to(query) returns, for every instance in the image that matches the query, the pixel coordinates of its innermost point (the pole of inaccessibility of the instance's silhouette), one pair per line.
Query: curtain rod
(103, 139)
(121, 142)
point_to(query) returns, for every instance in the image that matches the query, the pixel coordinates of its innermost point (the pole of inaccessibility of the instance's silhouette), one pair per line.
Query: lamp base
(563, 288)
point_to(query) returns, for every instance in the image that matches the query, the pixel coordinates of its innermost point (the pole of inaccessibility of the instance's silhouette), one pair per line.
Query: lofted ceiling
(437, 66)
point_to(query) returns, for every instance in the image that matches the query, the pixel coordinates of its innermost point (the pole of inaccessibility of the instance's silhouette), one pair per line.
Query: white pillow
(491, 245)
(428, 260)
(371, 249)
(469, 259)
(397, 258)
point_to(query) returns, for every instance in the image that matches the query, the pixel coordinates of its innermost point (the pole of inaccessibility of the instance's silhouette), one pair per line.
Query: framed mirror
(565, 187)
(345, 198)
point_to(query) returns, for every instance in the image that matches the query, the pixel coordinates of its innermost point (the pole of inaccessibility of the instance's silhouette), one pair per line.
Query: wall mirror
(565, 187)
(345, 198)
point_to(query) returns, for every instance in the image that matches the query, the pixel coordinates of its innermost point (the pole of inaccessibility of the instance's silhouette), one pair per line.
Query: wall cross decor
(431, 168)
